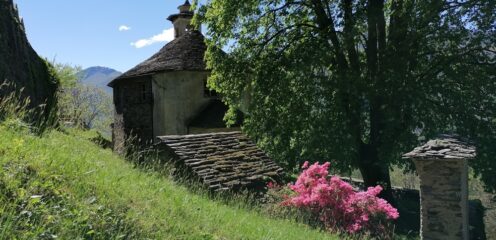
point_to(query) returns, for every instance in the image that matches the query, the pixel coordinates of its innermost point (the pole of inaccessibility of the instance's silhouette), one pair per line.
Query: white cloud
(123, 28)
(166, 36)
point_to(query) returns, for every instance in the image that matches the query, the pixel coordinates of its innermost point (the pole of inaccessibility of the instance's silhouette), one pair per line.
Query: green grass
(63, 185)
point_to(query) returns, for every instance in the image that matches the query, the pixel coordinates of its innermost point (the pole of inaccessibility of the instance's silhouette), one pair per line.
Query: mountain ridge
(98, 76)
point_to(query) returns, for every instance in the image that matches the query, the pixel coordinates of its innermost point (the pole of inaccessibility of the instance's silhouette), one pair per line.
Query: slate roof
(173, 17)
(444, 147)
(185, 53)
(223, 161)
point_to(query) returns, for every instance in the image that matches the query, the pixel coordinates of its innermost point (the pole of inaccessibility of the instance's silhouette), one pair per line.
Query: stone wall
(162, 104)
(179, 96)
(133, 101)
(444, 198)
(20, 64)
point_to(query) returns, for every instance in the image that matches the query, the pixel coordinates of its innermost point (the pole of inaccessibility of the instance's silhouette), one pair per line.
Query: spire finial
(182, 20)
(185, 7)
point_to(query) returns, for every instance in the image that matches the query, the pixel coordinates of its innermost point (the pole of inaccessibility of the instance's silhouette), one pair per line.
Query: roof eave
(173, 17)
(113, 82)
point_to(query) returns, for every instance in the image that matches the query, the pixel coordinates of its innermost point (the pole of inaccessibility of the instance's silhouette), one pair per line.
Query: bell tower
(182, 20)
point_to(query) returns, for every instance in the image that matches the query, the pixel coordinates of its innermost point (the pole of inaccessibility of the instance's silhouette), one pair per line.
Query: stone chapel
(165, 100)
(167, 94)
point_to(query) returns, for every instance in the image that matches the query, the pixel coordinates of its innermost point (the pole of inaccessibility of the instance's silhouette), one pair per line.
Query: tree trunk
(374, 172)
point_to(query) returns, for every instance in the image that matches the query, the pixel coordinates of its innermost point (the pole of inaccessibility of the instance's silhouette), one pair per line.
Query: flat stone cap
(444, 147)
(223, 161)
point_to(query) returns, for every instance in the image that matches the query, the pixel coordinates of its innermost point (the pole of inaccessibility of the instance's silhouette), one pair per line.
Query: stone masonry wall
(179, 96)
(20, 64)
(443, 186)
(134, 112)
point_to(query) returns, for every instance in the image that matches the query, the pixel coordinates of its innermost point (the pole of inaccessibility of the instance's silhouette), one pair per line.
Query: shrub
(337, 206)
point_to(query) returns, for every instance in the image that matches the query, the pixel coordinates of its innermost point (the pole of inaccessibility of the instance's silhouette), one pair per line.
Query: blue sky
(98, 32)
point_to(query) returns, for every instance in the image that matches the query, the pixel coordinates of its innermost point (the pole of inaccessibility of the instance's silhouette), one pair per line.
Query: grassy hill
(64, 186)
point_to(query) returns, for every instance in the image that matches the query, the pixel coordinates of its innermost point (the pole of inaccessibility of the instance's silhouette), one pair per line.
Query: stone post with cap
(442, 166)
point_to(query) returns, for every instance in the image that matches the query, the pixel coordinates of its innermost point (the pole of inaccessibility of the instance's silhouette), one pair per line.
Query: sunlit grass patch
(73, 188)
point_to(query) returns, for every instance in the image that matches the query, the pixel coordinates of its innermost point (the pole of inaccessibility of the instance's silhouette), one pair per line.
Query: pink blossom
(305, 165)
(337, 204)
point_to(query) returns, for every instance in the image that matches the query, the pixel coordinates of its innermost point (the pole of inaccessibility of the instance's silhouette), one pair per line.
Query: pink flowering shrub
(337, 205)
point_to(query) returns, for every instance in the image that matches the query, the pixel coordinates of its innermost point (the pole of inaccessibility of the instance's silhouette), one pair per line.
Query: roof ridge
(185, 53)
(201, 134)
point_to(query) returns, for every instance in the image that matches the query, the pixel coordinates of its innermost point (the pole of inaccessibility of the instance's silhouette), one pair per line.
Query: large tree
(357, 81)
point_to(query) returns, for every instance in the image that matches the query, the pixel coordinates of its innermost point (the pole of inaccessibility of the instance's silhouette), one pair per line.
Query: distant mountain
(99, 77)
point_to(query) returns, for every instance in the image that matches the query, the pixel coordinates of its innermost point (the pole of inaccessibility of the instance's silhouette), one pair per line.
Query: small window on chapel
(207, 92)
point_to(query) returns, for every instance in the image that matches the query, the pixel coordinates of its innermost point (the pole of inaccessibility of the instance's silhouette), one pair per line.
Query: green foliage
(86, 106)
(355, 81)
(65, 73)
(66, 186)
(79, 104)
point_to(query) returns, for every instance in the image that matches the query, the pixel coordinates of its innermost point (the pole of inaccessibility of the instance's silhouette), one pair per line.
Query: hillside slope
(65, 186)
(19, 63)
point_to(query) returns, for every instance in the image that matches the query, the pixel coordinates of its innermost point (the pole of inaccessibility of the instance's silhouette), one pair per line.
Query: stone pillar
(443, 198)
(442, 166)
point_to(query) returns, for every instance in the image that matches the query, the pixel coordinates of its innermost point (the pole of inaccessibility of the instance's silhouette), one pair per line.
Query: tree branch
(280, 32)
(348, 32)
(326, 25)
(283, 7)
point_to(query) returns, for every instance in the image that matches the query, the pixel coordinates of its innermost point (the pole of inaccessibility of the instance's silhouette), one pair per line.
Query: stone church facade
(167, 94)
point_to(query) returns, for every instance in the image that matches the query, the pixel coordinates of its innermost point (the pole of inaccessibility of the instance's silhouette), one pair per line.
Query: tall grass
(91, 178)
(62, 185)
(15, 105)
